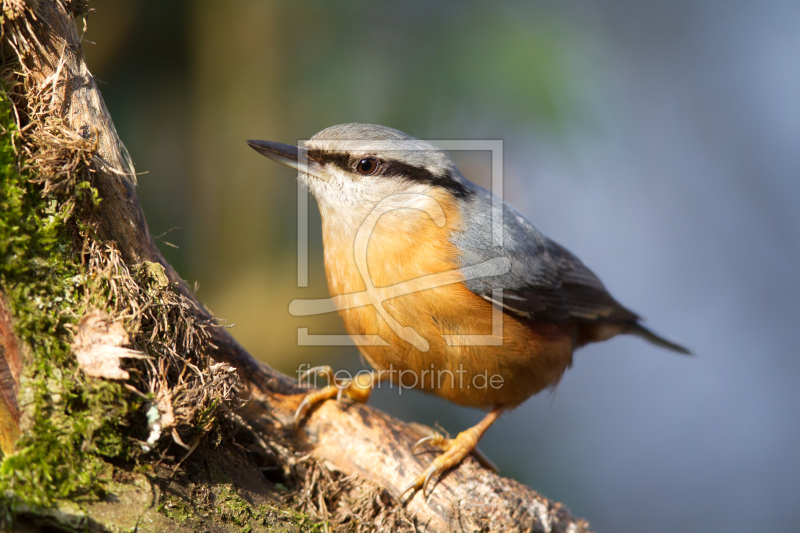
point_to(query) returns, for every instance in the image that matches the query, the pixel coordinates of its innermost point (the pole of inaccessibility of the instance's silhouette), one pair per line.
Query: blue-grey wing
(546, 282)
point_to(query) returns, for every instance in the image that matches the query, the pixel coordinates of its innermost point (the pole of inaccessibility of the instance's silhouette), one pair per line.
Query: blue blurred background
(659, 141)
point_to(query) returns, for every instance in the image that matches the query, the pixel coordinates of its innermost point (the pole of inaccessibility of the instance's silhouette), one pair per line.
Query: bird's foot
(357, 389)
(455, 450)
(444, 443)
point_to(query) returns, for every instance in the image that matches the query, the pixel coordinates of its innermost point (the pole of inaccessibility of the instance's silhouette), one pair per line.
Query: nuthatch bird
(440, 260)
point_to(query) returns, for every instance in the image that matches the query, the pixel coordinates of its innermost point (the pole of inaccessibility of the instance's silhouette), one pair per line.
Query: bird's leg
(455, 450)
(357, 389)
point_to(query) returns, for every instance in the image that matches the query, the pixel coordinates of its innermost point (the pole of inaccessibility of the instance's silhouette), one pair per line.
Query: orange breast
(503, 367)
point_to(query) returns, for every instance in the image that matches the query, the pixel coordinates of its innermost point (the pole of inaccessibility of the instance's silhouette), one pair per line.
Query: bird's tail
(646, 334)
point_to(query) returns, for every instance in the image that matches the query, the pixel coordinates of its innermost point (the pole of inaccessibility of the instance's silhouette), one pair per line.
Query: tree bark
(10, 370)
(353, 439)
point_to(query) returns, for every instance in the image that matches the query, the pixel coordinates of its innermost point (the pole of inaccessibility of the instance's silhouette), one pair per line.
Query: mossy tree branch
(356, 440)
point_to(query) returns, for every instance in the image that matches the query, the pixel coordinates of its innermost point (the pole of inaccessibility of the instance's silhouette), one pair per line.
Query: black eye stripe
(397, 169)
(340, 159)
(391, 168)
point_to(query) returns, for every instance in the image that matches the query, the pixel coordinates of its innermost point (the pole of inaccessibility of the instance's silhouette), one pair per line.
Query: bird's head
(356, 166)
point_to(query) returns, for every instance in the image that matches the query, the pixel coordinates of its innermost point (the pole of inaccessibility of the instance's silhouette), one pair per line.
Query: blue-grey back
(546, 282)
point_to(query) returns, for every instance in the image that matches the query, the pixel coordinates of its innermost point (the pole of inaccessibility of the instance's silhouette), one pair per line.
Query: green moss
(219, 503)
(71, 422)
(151, 277)
(233, 509)
(306, 525)
(175, 509)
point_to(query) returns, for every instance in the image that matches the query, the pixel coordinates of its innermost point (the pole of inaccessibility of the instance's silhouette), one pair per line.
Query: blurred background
(659, 141)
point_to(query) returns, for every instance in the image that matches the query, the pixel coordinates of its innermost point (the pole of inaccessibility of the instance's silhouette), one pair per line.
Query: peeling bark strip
(10, 370)
(98, 346)
(365, 446)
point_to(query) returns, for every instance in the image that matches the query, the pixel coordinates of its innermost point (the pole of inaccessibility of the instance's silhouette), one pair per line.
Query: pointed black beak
(286, 154)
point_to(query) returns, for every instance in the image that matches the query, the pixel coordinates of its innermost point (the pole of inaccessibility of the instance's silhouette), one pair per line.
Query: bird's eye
(367, 166)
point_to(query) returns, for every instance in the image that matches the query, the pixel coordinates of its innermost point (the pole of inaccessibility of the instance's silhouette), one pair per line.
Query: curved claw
(484, 461)
(358, 390)
(420, 482)
(409, 487)
(339, 396)
(420, 442)
(301, 411)
(311, 399)
(427, 480)
(323, 370)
